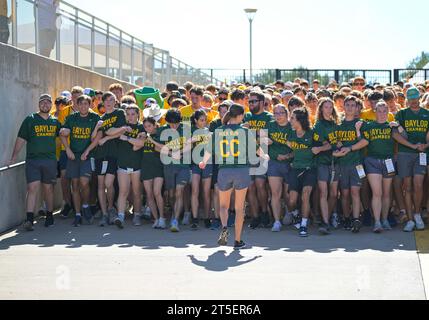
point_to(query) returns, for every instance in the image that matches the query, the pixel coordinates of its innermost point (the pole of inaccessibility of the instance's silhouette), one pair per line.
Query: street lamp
(250, 15)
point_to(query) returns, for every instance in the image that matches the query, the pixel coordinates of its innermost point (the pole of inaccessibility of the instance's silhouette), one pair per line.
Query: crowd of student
(339, 155)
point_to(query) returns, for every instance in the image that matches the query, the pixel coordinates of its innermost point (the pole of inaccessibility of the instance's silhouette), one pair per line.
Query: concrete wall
(23, 77)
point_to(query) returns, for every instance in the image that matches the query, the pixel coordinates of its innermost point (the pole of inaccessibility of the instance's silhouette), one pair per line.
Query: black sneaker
(66, 211)
(239, 245)
(87, 214)
(28, 225)
(356, 224)
(194, 225)
(303, 232)
(347, 224)
(255, 223)
(49, 221)
(223, 237)
(207, 223)
(42, 213)
(324, 229)
(77, 221)
(265, 220)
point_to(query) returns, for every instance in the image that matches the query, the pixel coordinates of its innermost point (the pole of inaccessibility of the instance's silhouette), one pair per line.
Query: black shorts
(105, 166)
(300, 178)
(44, 171)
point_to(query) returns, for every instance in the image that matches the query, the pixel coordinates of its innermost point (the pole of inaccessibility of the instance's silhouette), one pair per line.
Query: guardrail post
(396, 75)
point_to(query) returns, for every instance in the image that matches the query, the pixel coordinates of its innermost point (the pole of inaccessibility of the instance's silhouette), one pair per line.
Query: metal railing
(414, 75)
(79, 38)
(12, 166)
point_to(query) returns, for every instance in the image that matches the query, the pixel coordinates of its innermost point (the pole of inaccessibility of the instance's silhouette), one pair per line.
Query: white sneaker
(162, 223)
(335, 220)
(186, 218)
(146, 213)
(420, 225)
(276, 227)
(288, 219)
(156, 224)
(409, 227)
(136, 220)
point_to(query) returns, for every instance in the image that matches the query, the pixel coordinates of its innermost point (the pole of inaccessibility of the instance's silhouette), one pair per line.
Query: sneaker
(104, 221)
(255, 223)
(277, 227)
(146, 213)
(77, 221)
(239, 245)
(194, 225)
(403, 216)
(409, 227)
(356, 224)
(303, 232)
(215, 224)
(162, 224)
(265, 220)
(223, 237)
(119, 222)
(28, 225)
(155, 224)
(49, 221)
(87, 214)
(347, 224)
(207, 223)
(386, 225)
(420, 225)
(335, 220)
(231, 218)
(186, 218)
(66, 211)
(324, 229)
(174, 226)
(287, 219)
(367, 218)
(378, 228)
(111, 213)
(137, 220)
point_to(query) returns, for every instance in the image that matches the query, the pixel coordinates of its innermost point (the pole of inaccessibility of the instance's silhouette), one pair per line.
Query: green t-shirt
(416, 126)
(80, 130)
(150, 157)
(346, 134)
(215, 124)
(127, 157)
(379, 135)
(324, 130)
(258, 121)
(204, 140)
(301, 147)
(116, 119)
(279, 135)
(231, 146)
(40, 135)
(175, 140)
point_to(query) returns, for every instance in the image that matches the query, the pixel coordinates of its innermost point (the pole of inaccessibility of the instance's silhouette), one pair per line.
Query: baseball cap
(413, 93)
(66, 94)
(89, 92)
(45, 96)
(286, 93)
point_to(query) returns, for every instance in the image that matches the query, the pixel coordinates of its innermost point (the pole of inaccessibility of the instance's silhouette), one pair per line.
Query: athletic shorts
(128, 170)
(105, 166)
(409, 165)
(278, 169)
(215, 174)
(324, 173)
(206, 173)
(150, 173)
(176, 176)
(349, 177)
(300, 178)
(377, 166)
(237, 178)
(78, 168)
(44, 171)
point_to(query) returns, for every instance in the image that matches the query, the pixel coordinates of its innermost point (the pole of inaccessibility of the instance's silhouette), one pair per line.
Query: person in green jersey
(379, 164)
(108, 132)
(351, 171)
(279, 164)
(129, 163)
(172, 141)
(201, 139)
(258, 119)
(153, 173)
(411, 156)
(327, 168)
(231, 144)
(303, 175)
(79, 127)
(39, 131)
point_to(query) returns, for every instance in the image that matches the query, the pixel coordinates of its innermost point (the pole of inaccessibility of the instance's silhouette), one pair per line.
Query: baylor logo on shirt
(346, 135)
(299, 146)
(45, 130)
(416, 125)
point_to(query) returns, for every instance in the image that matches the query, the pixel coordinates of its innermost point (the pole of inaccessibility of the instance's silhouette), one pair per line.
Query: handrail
(12, 166)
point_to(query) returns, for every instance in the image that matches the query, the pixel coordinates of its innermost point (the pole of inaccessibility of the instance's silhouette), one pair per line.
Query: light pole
(250, 15)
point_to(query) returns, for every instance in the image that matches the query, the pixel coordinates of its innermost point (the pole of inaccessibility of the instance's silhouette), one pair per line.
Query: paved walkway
(141, 263)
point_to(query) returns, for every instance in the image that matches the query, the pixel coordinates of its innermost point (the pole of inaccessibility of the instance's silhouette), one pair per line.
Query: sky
(316, 34)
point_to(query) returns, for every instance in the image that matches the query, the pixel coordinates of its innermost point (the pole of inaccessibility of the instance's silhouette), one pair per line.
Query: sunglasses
(222, 99)
(254, 101)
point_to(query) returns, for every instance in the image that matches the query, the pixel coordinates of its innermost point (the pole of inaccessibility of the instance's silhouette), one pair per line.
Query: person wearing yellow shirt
(222, 96)
(239, 97)
(369, 115)
(196, 99)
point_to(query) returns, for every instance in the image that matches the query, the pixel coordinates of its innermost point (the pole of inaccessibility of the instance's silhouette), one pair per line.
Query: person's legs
(253, 201)
(418, 193)
(32, 191)
(196, 178)
(276, 186)
(240, 197)
(376, 183)
(150, 199)
(85, 190)
(305, 204)
(224, 202)
(102, 194)
(109, 181)
(333, 197)
(293, 199)
(387, 186)
(261, 192)
(157, 192)
(178, 205)
(398, 194)
(48, 196)
(355, 193)
(136, 188)
(124, 188)
(206, 193)
(345, 202)
(76, 195)
(66, 188)
(324, 207)
(408, 187)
